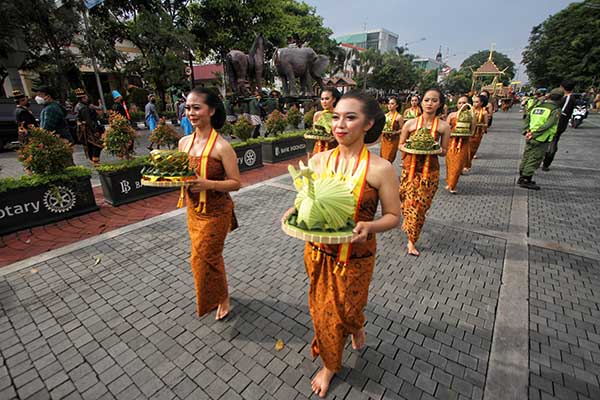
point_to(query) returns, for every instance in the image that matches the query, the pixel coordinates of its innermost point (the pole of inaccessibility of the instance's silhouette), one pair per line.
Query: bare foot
(223, 309)
(447, 187)
(412, 250)
(320, 384)
(359, 339)
(466, 171)
(453, 191)
(475, 157)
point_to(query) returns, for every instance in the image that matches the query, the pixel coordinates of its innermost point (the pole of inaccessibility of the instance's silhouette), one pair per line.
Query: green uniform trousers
(532, 157)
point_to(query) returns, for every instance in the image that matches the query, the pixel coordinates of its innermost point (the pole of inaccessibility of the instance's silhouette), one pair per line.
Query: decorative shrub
(164, 135)
(308, 118)
(275, 123)
(137, 116)
(45, 153)
(294, 117)
(243, 129)
(119, 137)
(226, 129)
(29, 181)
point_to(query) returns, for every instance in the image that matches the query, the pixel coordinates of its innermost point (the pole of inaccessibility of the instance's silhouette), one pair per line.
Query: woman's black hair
(483, 99)
(466, 96)
(441, 96)
(334, 92)
(372, 111)
(211, 98)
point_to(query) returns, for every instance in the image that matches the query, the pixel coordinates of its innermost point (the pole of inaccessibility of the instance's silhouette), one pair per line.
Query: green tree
(457, 82)
(501, 60)
(393, 71)
(427, 80)
(158, 28)
(565, 46)
(48, 30)
(220, 26)
(368, 61)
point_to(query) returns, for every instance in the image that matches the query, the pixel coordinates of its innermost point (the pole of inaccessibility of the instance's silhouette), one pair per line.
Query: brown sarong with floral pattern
(417, 194)
(207, 235)
(337, 301)
(456, 159)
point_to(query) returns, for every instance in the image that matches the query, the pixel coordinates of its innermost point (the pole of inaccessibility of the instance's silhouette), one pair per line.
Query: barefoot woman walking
(339, 275)
(421, 173)
(209, 207)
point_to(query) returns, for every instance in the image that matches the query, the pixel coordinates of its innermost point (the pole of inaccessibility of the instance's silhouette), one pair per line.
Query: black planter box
(249, 156)
(125, 187)
(28, 207)
(283, 149)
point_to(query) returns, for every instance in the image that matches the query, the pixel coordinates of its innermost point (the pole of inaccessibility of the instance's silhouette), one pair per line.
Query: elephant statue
(241, 66)
(301, 62)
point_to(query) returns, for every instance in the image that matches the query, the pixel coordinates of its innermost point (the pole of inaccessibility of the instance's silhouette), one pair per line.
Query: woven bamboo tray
(454, 134)
(317, 236)
(166, 184)
(413, 151)
(318, 137)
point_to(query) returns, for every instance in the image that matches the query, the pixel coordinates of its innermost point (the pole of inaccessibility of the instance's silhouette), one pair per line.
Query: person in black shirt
(567, 106)
(89, 132)
(23, 115)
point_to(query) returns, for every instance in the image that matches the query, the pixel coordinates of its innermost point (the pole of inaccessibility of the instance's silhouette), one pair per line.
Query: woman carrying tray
(420, 167)
(391, 131)
(480, 116)
(340, 274)
(210, 213)
(414, 110)
(324, 139)
(458, 151)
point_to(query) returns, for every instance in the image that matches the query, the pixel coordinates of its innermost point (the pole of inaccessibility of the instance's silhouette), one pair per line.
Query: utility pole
(93, 58)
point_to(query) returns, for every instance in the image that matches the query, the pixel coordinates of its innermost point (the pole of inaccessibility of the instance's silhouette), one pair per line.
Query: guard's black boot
(527, 183)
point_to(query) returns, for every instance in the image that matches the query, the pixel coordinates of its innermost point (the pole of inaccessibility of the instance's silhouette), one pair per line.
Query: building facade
(379, 39)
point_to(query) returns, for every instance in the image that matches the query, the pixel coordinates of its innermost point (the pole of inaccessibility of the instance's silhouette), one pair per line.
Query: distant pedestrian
(541, 126)
(53, 116)
(254, 112)
(89, 131)
(150, 113)
(23, 116)
(566, 110)
(120, 106)
(184, 121)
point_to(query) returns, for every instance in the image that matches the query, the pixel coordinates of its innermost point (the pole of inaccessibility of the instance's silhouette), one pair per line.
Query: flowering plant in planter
(119, 138)
(164, 135)
(275, 123)
(45, 153)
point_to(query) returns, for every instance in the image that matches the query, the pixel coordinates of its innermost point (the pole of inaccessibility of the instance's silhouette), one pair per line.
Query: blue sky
(463, 27)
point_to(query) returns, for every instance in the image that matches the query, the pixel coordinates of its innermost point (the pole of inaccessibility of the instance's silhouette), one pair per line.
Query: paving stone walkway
(115, 319)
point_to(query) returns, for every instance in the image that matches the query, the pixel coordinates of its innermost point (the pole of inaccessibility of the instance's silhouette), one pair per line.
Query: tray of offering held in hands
(324, 237)
(168, 168)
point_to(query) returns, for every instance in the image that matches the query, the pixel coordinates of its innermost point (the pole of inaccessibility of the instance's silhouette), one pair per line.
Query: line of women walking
(336, 301)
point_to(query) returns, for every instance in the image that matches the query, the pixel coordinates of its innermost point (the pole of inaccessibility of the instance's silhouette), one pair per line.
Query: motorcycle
(580, 113)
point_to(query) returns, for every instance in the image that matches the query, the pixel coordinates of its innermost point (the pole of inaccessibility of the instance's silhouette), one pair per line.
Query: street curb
(40, 258)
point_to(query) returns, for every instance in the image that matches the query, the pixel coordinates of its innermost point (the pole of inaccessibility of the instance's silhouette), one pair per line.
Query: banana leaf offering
(464, 118)
(325, 203)
(422, 140)
(168, 165)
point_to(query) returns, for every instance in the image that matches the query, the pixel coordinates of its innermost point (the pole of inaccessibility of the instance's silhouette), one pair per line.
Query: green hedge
(110, 169)
(28, 181)
(246, 142)
(285, 135)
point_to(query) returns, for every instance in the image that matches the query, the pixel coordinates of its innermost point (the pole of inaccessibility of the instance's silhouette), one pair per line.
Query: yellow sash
(344, 249)
(208, 146)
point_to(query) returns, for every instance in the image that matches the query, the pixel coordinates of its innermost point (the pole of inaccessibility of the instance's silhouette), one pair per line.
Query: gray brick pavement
(126, 328)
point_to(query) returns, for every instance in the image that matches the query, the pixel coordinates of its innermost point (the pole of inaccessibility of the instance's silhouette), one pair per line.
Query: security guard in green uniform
(540, 127)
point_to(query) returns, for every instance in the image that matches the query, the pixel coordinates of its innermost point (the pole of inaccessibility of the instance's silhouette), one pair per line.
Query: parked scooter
(580, 113)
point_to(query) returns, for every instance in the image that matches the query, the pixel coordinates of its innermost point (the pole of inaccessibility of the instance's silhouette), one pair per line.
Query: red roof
(351, 46)
(488, 68)
(207, 72)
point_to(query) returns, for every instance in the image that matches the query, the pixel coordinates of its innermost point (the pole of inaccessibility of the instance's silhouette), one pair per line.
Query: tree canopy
(565, 46)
